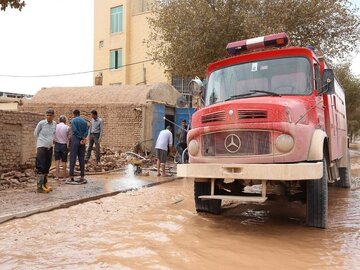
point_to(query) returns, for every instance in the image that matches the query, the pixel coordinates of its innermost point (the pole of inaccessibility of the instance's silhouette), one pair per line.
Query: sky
(46, 37)
(53, 37)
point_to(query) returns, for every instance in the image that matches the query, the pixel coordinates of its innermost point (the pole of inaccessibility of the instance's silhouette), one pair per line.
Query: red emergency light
(274, 40)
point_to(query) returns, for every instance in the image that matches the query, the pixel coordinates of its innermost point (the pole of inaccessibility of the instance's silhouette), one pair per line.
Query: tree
(332, 26)
(188, 34)
(12, 3)
(351, 86)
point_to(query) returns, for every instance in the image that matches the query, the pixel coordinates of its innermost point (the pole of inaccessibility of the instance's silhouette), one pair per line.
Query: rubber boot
(40, 184)
(46, 186)
(163, 173)
(39, 181)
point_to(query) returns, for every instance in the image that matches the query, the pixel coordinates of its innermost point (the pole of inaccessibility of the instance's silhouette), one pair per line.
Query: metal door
(158, 123)
(182, 114)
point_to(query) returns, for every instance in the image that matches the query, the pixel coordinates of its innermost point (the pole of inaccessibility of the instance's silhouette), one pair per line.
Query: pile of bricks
(110, 160)
(17, 179)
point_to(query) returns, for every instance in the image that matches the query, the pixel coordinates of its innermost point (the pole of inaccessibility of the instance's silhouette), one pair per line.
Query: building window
(115, 59)
(140, 6)
(117, 19)
(181, 83)
(101, 43)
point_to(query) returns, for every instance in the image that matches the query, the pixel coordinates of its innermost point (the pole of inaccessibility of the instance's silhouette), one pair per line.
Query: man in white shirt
(164, 140)
(62, 136)
(44, 135)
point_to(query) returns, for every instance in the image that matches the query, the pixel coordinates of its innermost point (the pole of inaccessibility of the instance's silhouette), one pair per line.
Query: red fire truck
(274, 116)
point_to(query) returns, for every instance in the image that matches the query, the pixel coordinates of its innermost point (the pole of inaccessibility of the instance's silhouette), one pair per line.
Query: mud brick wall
(123, 125)
(17, 142)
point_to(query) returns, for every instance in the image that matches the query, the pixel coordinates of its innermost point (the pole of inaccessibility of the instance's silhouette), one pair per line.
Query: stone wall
(17, 142)
(123, 125)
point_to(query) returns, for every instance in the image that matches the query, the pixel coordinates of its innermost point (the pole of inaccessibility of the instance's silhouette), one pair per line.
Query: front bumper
(283, 172)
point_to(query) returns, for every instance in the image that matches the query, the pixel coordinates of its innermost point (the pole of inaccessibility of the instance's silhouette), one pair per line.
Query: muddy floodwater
(158, 228)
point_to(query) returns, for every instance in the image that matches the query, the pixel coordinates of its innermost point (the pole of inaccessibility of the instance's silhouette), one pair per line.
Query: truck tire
(344, 173)
(210, 206)
(317, 200)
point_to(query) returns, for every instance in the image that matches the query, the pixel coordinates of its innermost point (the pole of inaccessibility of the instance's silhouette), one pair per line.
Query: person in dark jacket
(79, 129)
(182, 136)
(96, 133)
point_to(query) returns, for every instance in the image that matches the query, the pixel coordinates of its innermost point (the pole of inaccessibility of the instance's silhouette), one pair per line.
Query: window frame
(116, 19)
(115, 58)
(208, 96)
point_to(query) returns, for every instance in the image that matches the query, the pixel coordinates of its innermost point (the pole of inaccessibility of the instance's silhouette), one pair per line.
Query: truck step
(257, 199)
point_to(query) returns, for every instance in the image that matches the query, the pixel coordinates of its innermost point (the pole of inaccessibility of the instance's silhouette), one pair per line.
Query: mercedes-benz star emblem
(232, 143)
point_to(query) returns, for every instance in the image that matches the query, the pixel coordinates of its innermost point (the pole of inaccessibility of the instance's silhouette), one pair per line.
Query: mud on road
(158, 228)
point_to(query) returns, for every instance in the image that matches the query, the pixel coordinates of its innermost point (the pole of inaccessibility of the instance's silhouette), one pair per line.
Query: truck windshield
(275, 77)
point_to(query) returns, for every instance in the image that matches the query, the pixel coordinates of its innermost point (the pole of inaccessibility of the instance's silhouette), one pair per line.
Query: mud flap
(205, 205)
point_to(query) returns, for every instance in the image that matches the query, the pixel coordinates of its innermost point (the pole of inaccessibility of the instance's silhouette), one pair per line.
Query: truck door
(332, 128)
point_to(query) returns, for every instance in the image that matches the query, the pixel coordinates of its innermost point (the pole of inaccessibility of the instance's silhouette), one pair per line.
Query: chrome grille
(213, 117)
(242, 114)
(226, 143)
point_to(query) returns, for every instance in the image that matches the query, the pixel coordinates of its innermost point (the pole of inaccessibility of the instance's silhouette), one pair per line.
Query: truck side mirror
(195, 86)
(197, 89)
(328, 82)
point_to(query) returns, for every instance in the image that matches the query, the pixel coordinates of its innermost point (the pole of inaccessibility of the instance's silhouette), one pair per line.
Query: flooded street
(158, 228)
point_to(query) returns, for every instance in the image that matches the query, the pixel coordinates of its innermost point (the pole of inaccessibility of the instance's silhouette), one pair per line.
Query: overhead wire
(72, 73)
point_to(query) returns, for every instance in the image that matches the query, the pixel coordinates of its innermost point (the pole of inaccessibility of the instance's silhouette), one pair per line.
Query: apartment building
(120, 27)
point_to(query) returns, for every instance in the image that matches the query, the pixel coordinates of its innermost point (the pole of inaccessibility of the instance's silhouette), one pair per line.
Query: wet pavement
(158, 228)
(24, 202)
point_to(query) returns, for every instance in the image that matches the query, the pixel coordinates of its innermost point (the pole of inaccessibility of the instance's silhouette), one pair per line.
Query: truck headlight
(193, 147)
(284, 143)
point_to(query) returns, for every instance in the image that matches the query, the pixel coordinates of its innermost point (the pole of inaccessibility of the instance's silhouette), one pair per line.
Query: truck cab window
(283, 76)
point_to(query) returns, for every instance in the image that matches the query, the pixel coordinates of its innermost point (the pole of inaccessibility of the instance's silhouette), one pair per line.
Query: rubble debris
(17, 179)
(115, 160)
(111, 160)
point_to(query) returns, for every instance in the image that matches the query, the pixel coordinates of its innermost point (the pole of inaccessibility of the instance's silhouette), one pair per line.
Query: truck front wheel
(317, 200)
(205, 205)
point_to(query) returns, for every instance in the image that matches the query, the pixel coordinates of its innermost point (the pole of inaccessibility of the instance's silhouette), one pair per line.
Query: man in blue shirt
(79, 129)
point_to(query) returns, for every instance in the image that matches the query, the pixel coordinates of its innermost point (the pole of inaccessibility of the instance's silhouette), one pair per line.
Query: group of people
(58, 139)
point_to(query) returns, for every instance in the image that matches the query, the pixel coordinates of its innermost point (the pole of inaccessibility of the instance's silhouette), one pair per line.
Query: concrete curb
(67, 204)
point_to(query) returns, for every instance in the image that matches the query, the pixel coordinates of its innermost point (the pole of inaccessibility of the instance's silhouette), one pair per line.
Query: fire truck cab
(274, 115)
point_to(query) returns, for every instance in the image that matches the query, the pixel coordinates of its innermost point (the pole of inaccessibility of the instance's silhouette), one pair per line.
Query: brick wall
(123, 125)
(17, 142)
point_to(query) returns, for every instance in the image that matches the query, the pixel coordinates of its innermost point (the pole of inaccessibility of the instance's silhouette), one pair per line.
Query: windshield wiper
(265, 92)
(240, 96)
(252, 92)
